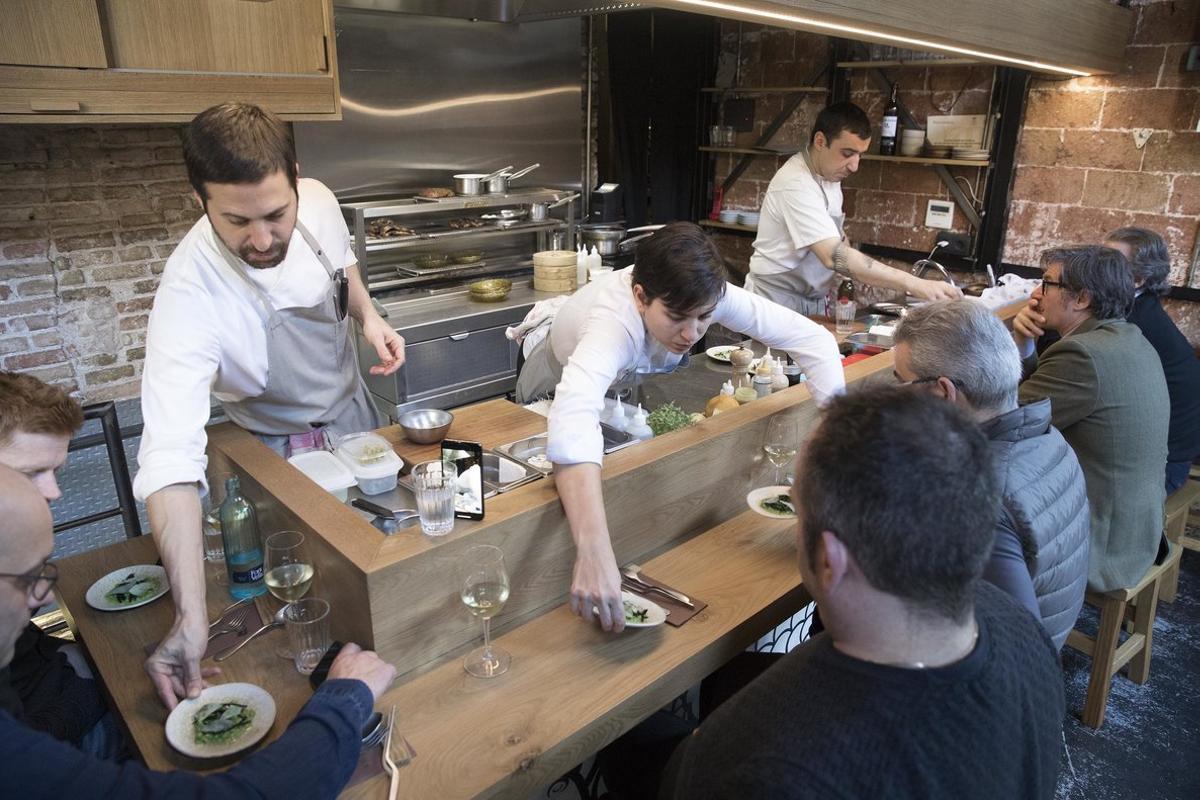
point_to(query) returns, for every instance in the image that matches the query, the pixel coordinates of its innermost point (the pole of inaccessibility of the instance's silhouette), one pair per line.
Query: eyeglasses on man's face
(1049, 282)
(38, 582)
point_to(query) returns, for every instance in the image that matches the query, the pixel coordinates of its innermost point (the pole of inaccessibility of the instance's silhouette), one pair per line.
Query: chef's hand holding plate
(354, 663)
(388, 344)
(174, 667)
(596, 587)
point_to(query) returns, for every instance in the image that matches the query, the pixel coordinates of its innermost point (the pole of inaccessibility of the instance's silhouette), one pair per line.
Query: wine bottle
(887, 131)
(243, 547)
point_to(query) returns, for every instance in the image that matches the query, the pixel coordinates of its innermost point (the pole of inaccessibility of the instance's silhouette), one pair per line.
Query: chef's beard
(257, 259)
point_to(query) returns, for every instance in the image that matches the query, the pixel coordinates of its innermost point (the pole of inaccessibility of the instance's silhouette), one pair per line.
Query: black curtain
(657, 63)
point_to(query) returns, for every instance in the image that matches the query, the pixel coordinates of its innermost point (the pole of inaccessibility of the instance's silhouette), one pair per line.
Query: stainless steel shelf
(402, 242)
(401, 207)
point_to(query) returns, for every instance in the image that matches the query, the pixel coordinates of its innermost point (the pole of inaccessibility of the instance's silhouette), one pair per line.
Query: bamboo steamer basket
(554, 271)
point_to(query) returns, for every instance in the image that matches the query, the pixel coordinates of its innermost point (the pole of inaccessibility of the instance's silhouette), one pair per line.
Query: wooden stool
(1108, 654)
(1177, 517)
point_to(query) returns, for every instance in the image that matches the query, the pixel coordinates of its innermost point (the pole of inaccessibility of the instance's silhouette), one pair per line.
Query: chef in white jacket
(643, 319)
(254, 308)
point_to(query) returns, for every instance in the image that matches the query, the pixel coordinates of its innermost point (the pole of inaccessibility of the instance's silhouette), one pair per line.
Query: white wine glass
(780, 443)
(483, 586)
(214, 545)
(287, 571)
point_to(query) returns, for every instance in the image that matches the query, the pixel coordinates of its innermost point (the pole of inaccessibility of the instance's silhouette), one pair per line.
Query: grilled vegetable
(219, 723)
(132, 588)
(780, 504)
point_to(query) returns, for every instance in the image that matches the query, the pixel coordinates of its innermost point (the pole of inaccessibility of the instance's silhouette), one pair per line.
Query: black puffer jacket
(1045, 508)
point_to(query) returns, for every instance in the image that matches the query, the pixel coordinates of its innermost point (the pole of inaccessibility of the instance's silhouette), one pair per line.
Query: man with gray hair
(1149, 263)
(960, 351)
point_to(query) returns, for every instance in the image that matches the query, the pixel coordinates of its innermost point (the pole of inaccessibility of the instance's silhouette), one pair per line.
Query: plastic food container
(372, 461)
(326, 471)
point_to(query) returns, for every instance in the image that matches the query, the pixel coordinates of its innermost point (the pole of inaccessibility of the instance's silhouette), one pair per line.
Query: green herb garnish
(667, 418)
(221, 723)
(779, 504)
(132, 589)
(634, 612)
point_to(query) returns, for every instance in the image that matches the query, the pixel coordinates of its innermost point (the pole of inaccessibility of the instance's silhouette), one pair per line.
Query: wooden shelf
(749, 151)
(765, 89)
(729, 226)
(948, 162)
(914, 62)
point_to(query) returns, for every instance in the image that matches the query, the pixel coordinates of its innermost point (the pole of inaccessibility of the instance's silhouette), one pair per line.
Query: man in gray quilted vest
(959, 350)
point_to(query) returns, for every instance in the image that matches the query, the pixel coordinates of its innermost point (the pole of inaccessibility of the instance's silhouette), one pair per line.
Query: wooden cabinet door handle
(54, 106)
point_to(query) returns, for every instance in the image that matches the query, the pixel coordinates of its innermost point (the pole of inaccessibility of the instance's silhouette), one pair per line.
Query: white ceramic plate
(97, 593)
(181, 733)
(656, 614)
(756, 497)
(720, 352)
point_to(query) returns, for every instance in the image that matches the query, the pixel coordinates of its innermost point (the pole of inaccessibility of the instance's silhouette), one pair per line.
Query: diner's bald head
(904, 481)
(26, 539)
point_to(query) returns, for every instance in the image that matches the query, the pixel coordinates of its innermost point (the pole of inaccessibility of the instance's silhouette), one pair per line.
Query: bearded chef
(253, 308)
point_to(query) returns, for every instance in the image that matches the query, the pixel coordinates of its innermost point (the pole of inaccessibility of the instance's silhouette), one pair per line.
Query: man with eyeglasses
(960, 351)
(47, 682)
(1109, 398)
(314, 757)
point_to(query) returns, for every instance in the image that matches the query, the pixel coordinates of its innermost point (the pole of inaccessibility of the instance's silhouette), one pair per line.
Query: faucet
(925, 264)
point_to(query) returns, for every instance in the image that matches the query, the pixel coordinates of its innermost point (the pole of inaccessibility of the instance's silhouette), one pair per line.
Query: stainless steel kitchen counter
(421, 317)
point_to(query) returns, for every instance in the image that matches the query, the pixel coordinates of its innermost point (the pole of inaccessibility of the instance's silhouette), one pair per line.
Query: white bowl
(729, 217)
(748, 218)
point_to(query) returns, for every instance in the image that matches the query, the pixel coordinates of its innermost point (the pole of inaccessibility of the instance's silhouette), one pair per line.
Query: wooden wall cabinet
(73, 61)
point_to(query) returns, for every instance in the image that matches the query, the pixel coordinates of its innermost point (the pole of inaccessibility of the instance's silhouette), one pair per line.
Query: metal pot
(610, 240)
(472, 183)
(497, 183)
(541, 211)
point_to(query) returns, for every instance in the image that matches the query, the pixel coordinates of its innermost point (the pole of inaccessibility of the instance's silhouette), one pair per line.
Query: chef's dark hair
(681, 266)
(840, 117)
(237, 143)
(1150, 263)
(1102, 272)
(922, 528)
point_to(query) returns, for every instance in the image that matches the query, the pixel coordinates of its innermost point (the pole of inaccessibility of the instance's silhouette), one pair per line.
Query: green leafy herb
(220, 723)
(634, 612)
(667, 418)
(132, 589)
(779, 504)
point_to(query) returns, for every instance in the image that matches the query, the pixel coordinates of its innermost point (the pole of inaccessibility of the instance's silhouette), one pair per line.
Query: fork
(235, 624)
(389, 764)
(227, 609)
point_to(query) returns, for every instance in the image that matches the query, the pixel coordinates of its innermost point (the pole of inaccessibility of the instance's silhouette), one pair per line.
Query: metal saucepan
(498, 183)
(610, 240)
(473, 183)
(541, 211)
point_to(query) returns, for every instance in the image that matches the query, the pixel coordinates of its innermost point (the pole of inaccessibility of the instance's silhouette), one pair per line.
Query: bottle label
(888, 128)
(252, 575)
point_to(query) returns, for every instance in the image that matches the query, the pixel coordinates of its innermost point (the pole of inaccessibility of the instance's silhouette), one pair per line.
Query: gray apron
(541, 373)
(789, 289)
(313, 382)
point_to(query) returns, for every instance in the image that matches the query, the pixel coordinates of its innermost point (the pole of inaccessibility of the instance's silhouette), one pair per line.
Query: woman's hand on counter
(388, 344)
(596, 587)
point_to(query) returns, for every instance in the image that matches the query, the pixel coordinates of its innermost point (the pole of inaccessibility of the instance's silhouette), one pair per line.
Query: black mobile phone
(468, 494)
(319, 674)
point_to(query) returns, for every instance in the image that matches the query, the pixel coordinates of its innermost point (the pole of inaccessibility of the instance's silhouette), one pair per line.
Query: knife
(644, 588)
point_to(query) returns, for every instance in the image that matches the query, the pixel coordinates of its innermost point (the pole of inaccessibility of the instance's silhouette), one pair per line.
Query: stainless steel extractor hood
(491, 10)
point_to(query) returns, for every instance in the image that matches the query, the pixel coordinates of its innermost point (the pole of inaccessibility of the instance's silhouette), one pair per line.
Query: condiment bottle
(243, 546)
(762, 379)
(595, 262)
(581, 267)
(638, 427)
(618, 419)
(779, 381)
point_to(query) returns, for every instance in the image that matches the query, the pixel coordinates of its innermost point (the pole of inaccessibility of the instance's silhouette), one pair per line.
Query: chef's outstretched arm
(867, 270)
(595, 581)
(388, 344)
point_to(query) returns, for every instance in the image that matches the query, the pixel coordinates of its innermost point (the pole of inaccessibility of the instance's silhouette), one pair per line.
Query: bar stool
(1109, 654)
(1178, 516)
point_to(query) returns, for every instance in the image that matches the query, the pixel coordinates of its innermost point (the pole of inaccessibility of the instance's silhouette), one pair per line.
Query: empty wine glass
(780, 443)
(483, 586)
(288, 571)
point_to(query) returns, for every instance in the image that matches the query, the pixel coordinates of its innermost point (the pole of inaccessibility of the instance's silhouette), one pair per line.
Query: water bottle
(243, 547)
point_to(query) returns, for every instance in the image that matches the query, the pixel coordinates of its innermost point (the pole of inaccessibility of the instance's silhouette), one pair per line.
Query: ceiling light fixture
(811, 22)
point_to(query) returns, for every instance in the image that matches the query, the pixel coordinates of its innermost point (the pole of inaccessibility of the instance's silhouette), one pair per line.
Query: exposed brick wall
(88, 217)
(1080, 172)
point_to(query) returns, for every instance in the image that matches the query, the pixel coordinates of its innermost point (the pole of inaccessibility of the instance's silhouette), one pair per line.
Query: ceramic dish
(654, 613)
(757, 497)
(181, 727)
(145, 583)
(721, 352)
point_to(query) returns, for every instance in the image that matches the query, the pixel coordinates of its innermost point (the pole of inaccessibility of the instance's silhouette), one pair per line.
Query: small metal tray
(504, 474)
(530, 452)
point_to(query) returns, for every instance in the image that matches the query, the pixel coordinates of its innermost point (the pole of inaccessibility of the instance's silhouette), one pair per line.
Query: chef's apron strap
(232, 263)
(539, 375)
(316, 248)
(789, 290)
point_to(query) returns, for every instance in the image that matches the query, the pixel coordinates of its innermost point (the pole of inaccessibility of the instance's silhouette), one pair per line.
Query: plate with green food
(773, 502)
(640, 612)
(721, 352)
(224, 719)
(128, 587)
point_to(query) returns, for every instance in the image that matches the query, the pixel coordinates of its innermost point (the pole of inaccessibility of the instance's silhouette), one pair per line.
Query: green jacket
(1109, 398)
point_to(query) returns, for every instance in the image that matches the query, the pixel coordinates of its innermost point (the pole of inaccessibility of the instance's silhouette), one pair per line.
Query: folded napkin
(677, 612)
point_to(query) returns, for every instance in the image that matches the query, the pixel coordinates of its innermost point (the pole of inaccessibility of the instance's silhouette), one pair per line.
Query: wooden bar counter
(676, 505)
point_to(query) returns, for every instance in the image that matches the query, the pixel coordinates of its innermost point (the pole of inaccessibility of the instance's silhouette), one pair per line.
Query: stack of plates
(970, 153)
(729, 216)
(748, 218)
(937, 151)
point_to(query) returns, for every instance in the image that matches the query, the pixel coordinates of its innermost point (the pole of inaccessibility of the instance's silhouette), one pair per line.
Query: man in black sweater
(927, 683)
(1150, 264)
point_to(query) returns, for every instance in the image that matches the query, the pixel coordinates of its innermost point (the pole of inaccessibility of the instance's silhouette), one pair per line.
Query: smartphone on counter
(468, 494)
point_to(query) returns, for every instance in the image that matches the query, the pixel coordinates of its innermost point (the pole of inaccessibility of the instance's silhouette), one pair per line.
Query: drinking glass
(780, 443)
(844, 311)
(307, 623)
(210, 524)
(433, 484)
(483, 586)
(287, 570)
